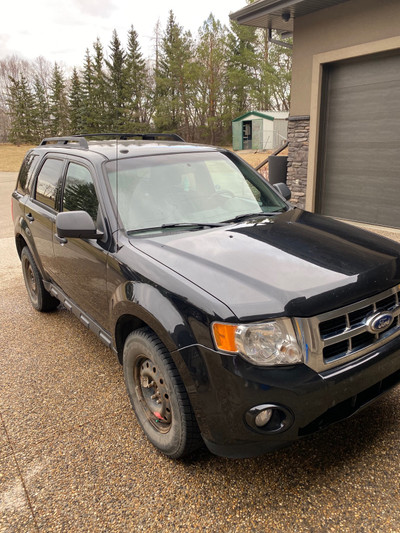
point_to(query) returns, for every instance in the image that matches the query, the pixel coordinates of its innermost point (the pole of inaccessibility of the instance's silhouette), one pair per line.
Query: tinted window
(47, 183)
(26, 173)
(79, 191)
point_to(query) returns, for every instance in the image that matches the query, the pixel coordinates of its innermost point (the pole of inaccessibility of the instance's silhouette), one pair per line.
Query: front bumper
(223, 388)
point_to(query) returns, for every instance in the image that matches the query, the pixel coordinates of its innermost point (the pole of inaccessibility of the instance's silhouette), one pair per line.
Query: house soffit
(279, 14)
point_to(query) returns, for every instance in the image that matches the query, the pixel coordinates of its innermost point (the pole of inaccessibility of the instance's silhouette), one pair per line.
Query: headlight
(269, 343)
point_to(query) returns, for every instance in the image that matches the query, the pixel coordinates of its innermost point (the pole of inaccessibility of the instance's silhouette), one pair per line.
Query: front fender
(147, 304)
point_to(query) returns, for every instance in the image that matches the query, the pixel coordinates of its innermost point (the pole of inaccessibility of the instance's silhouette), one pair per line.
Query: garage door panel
(363, 159)
(359, 164)
(385, 69)
(365, 209)
(368, 102)
(364, 114)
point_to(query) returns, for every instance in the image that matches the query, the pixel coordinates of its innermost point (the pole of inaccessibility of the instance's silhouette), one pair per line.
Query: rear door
(80, 264)
(41, 211)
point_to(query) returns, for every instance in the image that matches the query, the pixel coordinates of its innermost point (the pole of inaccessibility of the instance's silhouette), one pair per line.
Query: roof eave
(267, 14)
(279, 14)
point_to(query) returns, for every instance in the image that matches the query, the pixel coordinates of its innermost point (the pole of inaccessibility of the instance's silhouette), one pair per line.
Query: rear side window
(26, 173)
(48, 180)
(79, 191)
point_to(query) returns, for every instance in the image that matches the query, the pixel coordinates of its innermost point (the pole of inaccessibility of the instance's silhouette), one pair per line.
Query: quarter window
(26, 173)
(47, 183)
(79, 191)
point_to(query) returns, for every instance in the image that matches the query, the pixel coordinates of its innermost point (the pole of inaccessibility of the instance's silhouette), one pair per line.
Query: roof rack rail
(143, 136)
(65, 140)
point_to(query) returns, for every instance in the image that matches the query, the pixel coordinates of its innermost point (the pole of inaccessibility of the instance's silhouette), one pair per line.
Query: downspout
(280, 43)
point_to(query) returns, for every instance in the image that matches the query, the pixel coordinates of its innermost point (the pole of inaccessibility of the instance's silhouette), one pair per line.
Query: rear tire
(40, 299)
(158, 395)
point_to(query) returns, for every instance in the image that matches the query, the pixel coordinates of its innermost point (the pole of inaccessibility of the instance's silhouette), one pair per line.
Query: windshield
(199, 187)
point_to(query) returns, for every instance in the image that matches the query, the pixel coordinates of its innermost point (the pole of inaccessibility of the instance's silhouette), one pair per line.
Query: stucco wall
(352, 23)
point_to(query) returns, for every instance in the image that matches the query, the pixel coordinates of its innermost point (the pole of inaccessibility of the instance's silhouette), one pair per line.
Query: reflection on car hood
(294, 264)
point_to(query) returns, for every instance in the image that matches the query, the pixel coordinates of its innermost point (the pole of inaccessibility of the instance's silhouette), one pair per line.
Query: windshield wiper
(252, 215)
(195, 225)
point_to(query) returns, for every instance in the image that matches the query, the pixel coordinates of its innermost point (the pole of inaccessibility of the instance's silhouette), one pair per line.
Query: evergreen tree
(40, 109)
(174, 80)
(59, 122)
(273, 75)
(117, 85)
(194, 88)
(137, 87)
(76, 104)
(211, 100)
(21, 105)
(241, 68)
(89, 111)
(100, 91)
(265, 74)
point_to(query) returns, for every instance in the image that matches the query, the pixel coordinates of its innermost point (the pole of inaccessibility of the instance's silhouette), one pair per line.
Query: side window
(47, 182)
(79, 191)
(26, 173)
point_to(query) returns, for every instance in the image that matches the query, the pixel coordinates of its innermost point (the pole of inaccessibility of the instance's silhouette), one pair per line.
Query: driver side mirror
(76, 225)
(283, 190)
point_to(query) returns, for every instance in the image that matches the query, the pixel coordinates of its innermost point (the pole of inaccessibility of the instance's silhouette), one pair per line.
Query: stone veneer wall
(298, 136)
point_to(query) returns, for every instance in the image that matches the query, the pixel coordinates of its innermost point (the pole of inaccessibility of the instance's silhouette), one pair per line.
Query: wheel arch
(20, 243)
(125, 325)
(144, 305)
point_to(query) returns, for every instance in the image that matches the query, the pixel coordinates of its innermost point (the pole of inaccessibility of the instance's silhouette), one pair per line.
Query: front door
(81, 264)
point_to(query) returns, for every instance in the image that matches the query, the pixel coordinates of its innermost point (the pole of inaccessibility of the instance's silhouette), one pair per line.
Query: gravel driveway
(73, 458)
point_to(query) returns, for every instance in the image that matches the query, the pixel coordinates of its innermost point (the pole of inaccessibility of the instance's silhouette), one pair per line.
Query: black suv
(240, 321)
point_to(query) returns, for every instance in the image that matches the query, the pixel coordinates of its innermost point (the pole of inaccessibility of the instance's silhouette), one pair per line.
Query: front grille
(344, 334)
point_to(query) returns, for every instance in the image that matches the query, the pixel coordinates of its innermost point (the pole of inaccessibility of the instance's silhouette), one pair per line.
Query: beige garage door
(359, 155)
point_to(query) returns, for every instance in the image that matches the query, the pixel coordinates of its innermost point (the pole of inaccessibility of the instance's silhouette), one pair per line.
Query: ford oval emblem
(380, 322)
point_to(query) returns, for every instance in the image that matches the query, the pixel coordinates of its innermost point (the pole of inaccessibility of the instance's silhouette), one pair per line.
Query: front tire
(40, 299)
(158, 395)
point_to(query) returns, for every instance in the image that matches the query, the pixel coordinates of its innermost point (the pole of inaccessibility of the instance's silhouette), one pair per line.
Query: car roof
(129, 148)
(116, 148)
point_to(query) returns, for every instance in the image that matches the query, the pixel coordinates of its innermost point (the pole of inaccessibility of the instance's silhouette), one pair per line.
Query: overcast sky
(62, 30)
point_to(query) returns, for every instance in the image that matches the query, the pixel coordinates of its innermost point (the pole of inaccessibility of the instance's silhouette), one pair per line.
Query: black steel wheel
(158, 395)
(39, 297)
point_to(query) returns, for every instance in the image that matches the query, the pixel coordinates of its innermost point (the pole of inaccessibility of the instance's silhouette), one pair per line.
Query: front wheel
(158, 395)
(39, 297)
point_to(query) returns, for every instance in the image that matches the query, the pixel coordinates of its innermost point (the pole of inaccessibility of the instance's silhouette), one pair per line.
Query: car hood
(293, 264)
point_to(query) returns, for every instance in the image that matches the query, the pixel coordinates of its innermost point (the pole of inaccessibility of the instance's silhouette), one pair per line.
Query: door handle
(30, 217)
(61, 240)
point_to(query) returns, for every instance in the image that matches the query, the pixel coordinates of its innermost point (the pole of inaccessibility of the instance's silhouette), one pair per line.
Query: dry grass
(254, 158)
(11, 156)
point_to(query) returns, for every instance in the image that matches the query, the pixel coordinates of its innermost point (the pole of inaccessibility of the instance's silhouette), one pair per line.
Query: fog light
(263, 418)
(269, 418)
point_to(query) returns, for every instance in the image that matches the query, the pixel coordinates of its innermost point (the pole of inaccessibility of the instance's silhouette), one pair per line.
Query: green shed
(259, 130)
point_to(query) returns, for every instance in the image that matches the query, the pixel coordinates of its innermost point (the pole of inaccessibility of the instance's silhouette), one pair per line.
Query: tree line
(193, 85)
